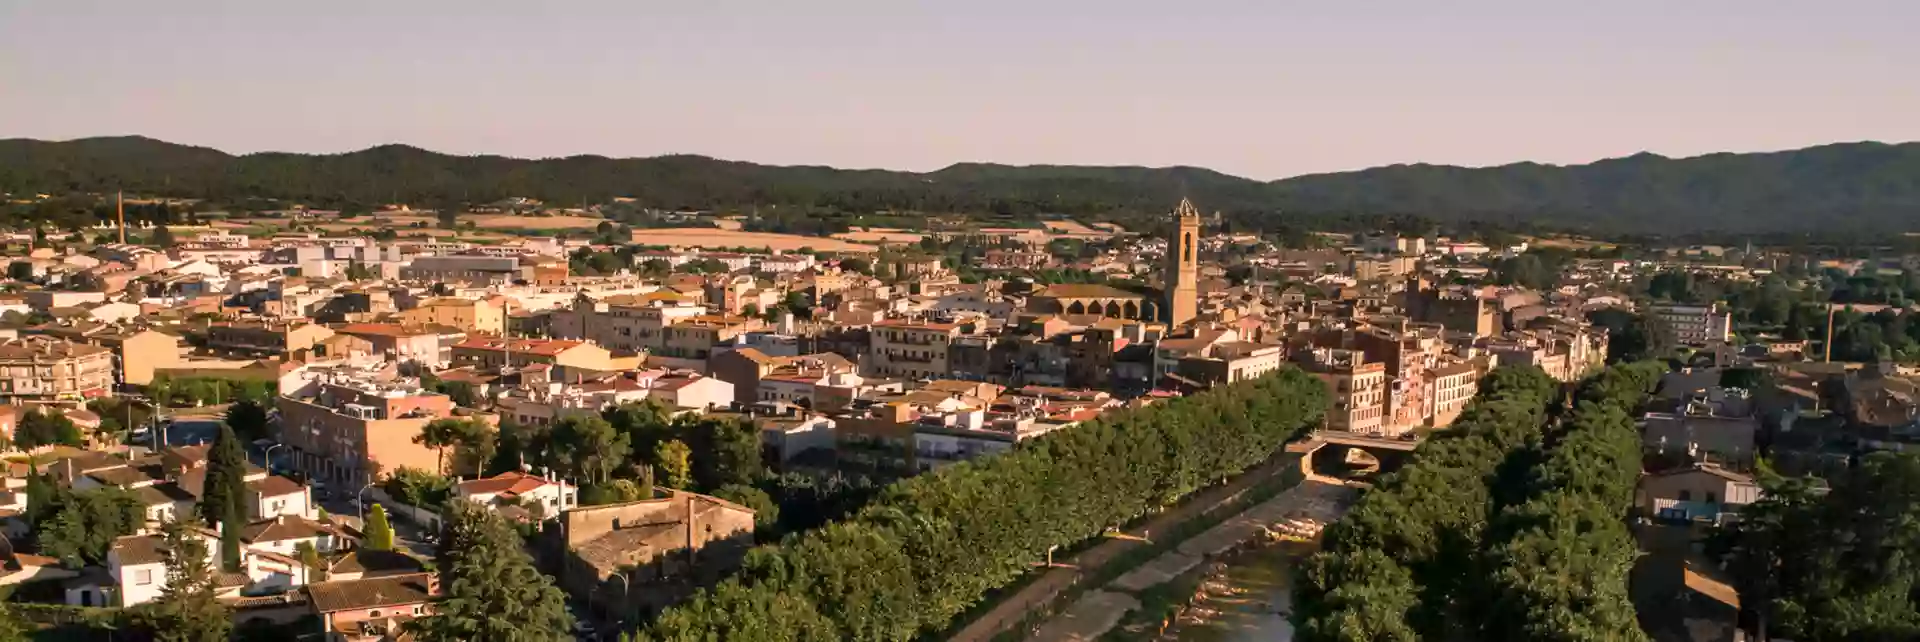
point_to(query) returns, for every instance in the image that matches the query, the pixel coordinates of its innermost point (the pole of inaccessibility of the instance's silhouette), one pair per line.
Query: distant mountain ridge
(1853, 186)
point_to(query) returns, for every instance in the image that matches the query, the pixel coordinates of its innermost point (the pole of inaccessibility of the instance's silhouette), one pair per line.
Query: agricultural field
(880, 235)
(712, 237)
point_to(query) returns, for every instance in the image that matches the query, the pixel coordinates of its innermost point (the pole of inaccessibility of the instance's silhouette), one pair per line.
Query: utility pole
(1829, 333)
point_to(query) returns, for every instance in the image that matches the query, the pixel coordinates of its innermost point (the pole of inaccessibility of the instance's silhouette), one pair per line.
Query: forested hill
(1854, 186)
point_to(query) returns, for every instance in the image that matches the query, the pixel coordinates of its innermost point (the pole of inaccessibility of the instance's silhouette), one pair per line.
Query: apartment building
(352, 429)
(264, 338)
(1231, 361)
(1358, 387)
(631, 322)
(474, 270)
(945, 438)
(911, 350)
(45, 368)
(689, 342)
(493, 353)
(472, 315)
(1454, 384)
(1696, 325)
(406, 342)
(138, 352)
(1566, 351)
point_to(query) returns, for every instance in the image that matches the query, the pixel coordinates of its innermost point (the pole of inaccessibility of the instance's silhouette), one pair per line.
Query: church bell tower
(1183, 268)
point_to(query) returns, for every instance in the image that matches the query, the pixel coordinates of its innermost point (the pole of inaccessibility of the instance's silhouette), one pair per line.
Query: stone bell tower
(1183, 268)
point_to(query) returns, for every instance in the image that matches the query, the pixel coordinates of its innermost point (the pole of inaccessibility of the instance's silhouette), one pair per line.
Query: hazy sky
(1263, 88)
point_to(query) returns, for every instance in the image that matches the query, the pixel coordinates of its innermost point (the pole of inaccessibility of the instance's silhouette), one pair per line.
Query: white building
(1696, 325)
(546, 497)
(692, 390)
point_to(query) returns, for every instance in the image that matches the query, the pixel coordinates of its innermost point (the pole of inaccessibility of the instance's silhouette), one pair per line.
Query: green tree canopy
(493, 591)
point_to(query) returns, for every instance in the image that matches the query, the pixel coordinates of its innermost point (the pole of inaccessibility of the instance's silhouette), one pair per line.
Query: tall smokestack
(120, 205)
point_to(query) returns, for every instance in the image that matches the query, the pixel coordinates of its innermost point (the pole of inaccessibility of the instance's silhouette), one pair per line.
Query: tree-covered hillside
(1856, 186)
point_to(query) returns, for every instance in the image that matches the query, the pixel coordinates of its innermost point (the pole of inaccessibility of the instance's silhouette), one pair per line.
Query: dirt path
(1318, 500)
(1041, 591)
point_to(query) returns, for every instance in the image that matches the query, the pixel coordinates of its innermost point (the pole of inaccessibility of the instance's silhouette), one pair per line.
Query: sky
(1263, 88)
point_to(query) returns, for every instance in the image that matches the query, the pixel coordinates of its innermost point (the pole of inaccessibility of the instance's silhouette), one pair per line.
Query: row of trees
(932, 545)
(197, 391)
(1499, 529)
(1387, 570)
(1571, 526)
(1833, 561)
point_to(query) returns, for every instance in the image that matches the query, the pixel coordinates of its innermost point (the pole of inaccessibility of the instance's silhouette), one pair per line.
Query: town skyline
(1258, 92)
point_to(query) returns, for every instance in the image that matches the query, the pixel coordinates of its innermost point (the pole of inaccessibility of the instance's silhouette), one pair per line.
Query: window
(373, 614)
(1686, 495)
(1711, 498)
(143, 577)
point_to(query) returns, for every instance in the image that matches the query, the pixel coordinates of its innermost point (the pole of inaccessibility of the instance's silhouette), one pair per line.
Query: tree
(310, 558)
(162, 236)
(440, 434)
(588, 447)
(223, 496)
(36, 429)
(79, 527)
(726, 452)
(161, 389)
(493, 591)
(357, 271)
(765, 512)
(248, 419)
(379, 533)
(1833, 565)
(12, 628)
(645, 424)
(460, 392)
(188, 609)
(449, 216)
(673, 467)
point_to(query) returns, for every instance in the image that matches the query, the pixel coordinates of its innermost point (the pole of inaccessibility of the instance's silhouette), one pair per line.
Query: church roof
(1086, 291)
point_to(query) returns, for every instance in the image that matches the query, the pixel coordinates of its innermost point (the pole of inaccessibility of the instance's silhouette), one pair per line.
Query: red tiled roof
(507, 483)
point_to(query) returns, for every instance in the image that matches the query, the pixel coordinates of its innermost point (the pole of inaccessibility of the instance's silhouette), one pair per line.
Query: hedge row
(1387, 570)
(931, 546)
(1557, 564)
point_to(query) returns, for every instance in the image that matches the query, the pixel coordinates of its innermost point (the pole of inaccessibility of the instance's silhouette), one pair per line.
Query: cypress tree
(223, 496)
(493, 591)
(379, 533)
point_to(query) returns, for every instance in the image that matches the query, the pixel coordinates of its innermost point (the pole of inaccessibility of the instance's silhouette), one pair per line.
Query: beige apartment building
(693, 339)
(44, 368)
(138, 352)
(1454, 386)
(630, 322)
(1358, 388)
(264, 339)
(911, 350)
(472, 315)
(491, 353)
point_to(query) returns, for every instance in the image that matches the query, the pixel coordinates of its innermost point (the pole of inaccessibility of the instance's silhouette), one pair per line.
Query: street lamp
(360, 499)
(267, 458)
(626, 594)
